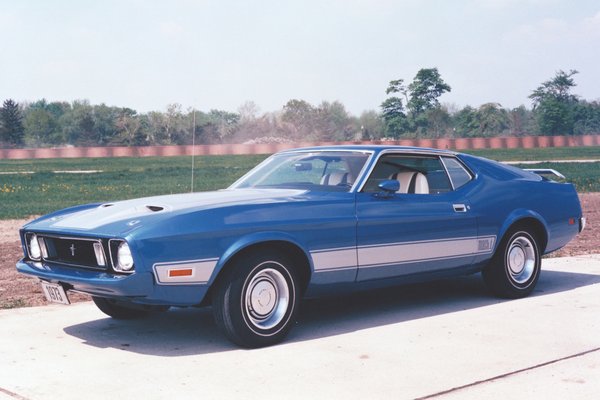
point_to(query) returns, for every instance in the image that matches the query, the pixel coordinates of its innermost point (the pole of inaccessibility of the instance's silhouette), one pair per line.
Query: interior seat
(411, 182)
(335, 178)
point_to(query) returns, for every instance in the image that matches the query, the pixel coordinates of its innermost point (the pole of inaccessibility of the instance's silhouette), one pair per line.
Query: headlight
(35, 253)
(124, 258)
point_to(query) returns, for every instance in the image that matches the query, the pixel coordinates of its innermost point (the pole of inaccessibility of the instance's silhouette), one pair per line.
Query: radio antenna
(193, 145)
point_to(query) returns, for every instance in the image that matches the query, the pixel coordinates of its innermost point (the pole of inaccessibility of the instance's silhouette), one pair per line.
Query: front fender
(252, 239)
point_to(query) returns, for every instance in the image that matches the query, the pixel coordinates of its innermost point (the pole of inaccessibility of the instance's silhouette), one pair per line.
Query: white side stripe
(401, 253)
(334, 259)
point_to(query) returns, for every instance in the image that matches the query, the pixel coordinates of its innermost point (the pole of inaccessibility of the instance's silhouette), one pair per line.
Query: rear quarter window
(457, 172)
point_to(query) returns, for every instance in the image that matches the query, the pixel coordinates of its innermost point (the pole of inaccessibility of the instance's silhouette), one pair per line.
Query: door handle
(459, 208)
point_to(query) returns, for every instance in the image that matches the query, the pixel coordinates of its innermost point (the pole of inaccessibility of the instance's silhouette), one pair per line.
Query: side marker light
(180, 272)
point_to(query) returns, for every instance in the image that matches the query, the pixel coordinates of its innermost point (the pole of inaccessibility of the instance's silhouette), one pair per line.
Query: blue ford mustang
(306, 222)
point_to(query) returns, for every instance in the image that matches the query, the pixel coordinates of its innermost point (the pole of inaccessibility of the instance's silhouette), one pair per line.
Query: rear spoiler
(543, 172)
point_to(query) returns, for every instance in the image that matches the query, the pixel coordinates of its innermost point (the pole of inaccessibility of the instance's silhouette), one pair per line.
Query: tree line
(410, 110)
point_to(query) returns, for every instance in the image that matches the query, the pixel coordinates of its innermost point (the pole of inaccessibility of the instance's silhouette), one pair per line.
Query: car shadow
(192, 331)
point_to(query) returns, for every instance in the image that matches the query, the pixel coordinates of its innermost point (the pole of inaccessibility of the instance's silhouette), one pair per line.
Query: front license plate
(55, 293)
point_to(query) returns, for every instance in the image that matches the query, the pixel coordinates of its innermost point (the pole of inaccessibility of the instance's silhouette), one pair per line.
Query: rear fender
(519, 215)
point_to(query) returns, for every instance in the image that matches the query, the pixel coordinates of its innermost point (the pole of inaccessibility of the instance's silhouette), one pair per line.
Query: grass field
(542, 154)
(32, 188)
(42, 191)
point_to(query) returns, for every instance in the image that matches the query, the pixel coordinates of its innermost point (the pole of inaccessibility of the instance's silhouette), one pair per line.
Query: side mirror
(388, 187)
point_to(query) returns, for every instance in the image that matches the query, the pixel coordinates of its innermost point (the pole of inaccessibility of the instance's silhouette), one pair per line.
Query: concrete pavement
(447, 339)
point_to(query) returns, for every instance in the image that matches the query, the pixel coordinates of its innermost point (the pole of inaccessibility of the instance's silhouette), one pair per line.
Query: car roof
(373, 148)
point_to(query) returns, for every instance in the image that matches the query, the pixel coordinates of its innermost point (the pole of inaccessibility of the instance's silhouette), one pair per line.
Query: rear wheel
(256, 303)
(515, 268)
(122, 310)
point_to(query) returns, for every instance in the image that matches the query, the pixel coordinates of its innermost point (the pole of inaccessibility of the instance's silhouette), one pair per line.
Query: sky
(206, 54)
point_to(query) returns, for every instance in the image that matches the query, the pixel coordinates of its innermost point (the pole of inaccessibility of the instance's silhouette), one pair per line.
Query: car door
(422, 228)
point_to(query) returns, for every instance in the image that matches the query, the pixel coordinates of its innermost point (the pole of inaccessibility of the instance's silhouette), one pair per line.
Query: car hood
(119, 217)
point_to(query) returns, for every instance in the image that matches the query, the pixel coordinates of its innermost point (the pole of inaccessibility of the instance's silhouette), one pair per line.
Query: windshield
(316, 170)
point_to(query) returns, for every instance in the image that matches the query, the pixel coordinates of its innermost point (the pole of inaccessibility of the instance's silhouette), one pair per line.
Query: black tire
(515, 268)
(255, 304)
(120, 310)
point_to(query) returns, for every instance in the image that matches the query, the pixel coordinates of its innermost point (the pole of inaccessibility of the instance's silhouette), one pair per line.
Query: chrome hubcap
(267, 298)
(521, 260)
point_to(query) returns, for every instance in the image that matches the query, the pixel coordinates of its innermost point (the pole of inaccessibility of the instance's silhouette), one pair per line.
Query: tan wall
(222, 149)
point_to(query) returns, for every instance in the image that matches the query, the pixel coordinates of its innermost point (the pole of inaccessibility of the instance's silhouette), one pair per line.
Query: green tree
(439, 122)
(396, 122)
(558, 88)
(78, 124)
(41, 128)
(333, 122)
(554, 105)
(465, 122)
(522, 121)
(492, 119)
(11, 123)
(425, 89)
(587, 118)
(170, 127)
(555, 117)
(302, 116)
(397, 86)
(392, 110)
(106, 121)
(421, 95)
(42, 123)
(371, 125)
(129, 128)
(155, 122)
(298, 111)
(57, 108)
(225, 124)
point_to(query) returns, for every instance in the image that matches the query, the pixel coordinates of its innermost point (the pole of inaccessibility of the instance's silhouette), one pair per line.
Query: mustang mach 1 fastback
(306, 222)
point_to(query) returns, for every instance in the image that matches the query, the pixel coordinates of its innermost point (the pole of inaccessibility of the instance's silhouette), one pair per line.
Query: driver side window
(416, 174)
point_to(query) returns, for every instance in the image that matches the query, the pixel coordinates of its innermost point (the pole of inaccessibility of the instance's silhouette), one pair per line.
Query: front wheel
(256, 303)
(514, 270)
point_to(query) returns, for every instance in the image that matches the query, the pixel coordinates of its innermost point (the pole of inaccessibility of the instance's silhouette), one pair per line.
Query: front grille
(75, 252)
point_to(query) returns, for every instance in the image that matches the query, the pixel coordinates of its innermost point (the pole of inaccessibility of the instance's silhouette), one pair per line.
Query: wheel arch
(529, 220)
(263, 243)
